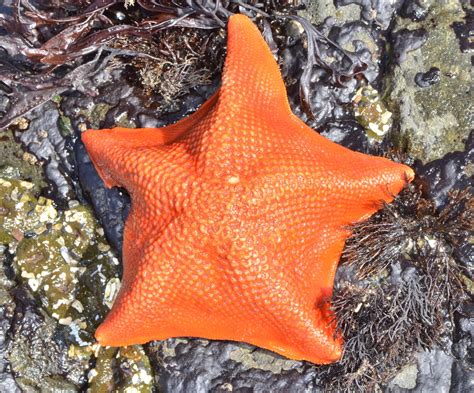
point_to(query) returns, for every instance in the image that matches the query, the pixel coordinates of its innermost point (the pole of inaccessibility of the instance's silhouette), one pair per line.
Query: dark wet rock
(454, 171)
(379, 12)
(413, 10)
(204, 366)
(354, 47)
(349, 134)
(465, 29)
(432, 121)
(7, 308)
(405, 41)
(428, 78)
(463, 350)
(36, 354)
(464, 339)
(46, 142)
(460, 382)
(357, 38)
(111, 206)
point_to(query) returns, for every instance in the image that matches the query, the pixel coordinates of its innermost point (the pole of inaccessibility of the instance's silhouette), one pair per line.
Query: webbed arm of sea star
(223, 294)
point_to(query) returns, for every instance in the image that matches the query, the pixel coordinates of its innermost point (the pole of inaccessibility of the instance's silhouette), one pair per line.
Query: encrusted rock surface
(411, 91)
(435, 118)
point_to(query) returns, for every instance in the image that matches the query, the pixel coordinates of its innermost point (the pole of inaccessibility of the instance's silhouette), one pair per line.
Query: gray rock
(435, 119)
(36, 355)
(434, 371)
(318, 11)
(7, 381)
(405, 379)
(45, 140)
(219, 366)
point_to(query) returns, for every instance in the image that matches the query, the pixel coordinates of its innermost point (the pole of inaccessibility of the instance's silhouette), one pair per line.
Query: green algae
(444, 108)
(53, 250)
(96, 115)
(34, 357)
(124, 121)
(121, 370)
(65, 261)
(16, 164)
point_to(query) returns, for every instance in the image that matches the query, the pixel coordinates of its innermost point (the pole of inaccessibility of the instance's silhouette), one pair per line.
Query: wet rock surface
(221, 366)
(429, 89)
(408, 89)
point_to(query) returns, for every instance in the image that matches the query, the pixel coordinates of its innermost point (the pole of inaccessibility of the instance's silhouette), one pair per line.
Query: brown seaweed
(50, 44)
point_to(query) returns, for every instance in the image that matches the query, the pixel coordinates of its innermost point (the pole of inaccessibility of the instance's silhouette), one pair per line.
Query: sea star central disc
(239, 215)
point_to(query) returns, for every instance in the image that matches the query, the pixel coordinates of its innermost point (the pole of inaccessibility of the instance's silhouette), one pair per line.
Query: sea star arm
(251, 76)
(117, 150)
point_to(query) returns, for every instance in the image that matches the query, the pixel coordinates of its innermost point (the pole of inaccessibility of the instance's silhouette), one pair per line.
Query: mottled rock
(405, 379)
(414, 10)
(428, 78)
(7, 308)
(436, 119)
(126, 369)
(38, 356)
(44, 139)
(318, 11)
(12, 164)
(204, 366)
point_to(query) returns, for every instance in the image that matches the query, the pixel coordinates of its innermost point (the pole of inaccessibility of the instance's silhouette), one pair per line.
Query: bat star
(239, 216)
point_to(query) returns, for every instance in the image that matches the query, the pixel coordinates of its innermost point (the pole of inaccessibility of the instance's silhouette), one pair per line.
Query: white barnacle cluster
(49, 247)
(371, 112)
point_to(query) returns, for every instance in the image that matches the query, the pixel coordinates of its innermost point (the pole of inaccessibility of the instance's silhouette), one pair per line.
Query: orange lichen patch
(239, 216)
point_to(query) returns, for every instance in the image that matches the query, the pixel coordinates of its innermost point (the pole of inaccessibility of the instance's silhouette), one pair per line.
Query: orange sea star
(239, 215)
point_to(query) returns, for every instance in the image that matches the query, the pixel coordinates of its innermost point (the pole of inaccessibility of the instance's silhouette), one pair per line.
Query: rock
(428, 78)
(414, 10)
(12, 164)
(7, 307)
(434, 371)
(405, 41)
(455, 171)
(406, 378)
(45, 140)
(347, 51)
(434, 119)
(318, 11)
(130, 363)
(204, 366)
(379, 12)
(426, 85)
(38, 357)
